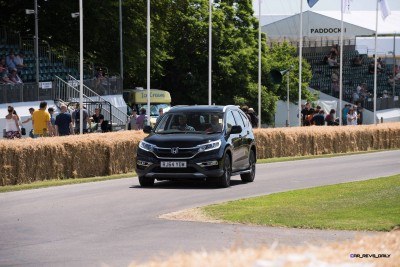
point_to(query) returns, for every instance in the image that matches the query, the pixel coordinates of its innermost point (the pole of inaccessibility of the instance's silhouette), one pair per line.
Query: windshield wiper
(214, 132)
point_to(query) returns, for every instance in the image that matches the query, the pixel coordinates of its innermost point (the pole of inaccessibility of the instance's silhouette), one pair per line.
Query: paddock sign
(321, 31)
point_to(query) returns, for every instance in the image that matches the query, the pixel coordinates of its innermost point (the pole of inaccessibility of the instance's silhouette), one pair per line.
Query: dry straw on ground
(329, 255)
(28, 160)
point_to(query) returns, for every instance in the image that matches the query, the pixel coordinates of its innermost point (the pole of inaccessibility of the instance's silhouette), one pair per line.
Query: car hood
(180, 140)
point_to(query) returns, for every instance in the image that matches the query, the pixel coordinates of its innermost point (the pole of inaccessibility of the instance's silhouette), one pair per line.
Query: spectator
(332, 62)
(63, 123)
(385, 94)
(10, 61)
(394, 80)
(41, 121)
(14, 78)
(355, 96)
(371, 68)
(307, 114)
(4, 77)
(141, 120)
(330, 118)
(245, 109)
(318, 118)
(381, 64)
(132, 120)
(334, 51)
(253, 118)
(160, 113)
(345, 111)
(3, 66)
(31, 110)
(12, 124)
(76, 117)
(360, 112)
(351, 117)
(357, 61)
(52, 130)
(19, 60)
(98, 118)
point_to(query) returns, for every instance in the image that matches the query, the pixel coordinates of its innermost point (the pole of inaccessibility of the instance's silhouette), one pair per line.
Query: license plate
(173, 164)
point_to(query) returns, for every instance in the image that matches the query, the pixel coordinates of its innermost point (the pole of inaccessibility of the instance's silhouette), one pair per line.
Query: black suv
(198, 142)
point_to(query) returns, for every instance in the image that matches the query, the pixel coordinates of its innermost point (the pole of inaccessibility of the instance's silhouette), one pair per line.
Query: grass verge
(367, 205)
(50, 183)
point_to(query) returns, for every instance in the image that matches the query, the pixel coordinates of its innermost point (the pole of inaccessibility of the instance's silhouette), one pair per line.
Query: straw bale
(330, 254)
(29, 160)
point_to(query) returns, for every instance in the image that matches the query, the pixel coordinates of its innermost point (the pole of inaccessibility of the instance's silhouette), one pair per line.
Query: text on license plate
(173, 164)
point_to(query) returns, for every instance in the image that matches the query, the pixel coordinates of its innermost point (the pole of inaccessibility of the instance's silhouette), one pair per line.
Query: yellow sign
(156, 96)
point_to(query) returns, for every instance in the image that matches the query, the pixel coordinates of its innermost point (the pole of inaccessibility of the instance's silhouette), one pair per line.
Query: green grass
(368, 205)
(50, 183)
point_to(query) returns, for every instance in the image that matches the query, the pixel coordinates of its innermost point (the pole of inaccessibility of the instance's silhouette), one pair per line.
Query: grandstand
(352, 75)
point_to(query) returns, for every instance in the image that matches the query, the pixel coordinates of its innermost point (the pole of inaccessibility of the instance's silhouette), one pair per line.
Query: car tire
(249, 177)
(225, 180)
(145, 181)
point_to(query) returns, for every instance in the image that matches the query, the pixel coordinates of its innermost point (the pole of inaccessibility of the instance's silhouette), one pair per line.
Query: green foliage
(179, 46)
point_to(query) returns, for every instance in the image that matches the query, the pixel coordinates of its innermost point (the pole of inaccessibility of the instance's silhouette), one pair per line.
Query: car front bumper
(196, 168)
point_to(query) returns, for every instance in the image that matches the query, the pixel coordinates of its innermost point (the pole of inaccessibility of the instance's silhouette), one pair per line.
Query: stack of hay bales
(316, 140)
(29, 160)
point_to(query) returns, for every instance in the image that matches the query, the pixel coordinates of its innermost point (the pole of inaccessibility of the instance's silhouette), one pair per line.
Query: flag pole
(148, 62)
(210, 53)
(300, 57)
(341, 68)
(375, 61)
(259, 63)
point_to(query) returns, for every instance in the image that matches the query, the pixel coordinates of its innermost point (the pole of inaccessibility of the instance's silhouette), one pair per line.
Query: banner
(346, 6)
(311, 3)
(385, 10)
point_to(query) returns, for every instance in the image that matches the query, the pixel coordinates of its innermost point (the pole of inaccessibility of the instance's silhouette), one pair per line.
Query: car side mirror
(236, 129)
(147, 129)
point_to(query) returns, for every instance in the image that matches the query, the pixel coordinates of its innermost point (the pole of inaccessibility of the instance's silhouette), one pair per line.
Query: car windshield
(154, 108)
(191, 122)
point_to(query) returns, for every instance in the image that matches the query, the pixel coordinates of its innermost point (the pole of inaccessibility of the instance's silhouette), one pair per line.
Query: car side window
(245, 119)
(230, 121)
(238, 119)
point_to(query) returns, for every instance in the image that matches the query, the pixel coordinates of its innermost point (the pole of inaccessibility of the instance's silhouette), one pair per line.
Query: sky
(289, 7)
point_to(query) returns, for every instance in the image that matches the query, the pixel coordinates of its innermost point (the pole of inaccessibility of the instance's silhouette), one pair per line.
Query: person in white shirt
(12, 124)
(351, 117)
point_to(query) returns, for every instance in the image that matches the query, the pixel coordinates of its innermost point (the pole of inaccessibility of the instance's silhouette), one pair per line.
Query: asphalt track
(113, 223)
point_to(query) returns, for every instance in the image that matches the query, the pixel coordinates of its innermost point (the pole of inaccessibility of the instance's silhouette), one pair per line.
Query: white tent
(326, 25)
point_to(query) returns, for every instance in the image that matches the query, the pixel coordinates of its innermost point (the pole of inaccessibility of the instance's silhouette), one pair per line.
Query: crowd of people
(46, 123)
(351, 115)
(10, 66)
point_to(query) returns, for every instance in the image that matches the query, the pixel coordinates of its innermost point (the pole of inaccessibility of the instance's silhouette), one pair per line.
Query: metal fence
(11, 93)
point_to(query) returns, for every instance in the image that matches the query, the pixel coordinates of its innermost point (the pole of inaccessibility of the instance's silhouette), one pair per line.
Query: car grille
(182, 152)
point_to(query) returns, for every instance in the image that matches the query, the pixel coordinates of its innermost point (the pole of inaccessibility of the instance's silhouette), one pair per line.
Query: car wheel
(249, 177)
(225, 179)
(145, 181)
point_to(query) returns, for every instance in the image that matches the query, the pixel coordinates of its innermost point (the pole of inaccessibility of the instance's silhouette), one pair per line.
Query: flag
(346, 6)
(385, 10)
(311, 3)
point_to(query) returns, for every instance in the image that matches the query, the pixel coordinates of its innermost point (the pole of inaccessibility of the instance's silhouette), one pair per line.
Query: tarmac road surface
(116, 222)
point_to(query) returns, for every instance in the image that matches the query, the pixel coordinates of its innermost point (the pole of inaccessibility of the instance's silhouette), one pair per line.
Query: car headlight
(209, 146)
(146, 146)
